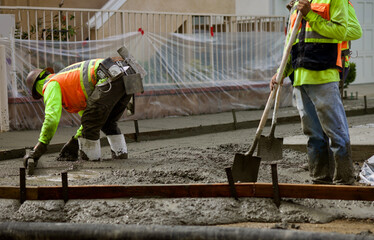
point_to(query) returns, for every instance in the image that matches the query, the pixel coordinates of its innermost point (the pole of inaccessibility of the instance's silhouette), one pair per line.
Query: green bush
(351, 74)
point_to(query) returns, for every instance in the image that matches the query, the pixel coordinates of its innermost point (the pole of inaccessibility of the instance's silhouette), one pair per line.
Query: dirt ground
(199, 159)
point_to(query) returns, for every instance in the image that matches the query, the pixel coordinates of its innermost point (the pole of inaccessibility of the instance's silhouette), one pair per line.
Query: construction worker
(95, 89)
(315, 59)
(354, 26)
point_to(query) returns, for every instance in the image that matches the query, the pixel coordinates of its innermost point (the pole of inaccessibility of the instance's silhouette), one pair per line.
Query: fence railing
(175, 49)
(69, 24)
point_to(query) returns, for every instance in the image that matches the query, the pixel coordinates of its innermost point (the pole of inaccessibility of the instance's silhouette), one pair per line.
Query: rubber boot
(118, 146)
(344, 172)
(89, 149)
(321, 162)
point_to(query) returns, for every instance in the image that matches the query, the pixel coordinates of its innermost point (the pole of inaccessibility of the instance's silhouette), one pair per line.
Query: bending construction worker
(315, 60)
(98, 90)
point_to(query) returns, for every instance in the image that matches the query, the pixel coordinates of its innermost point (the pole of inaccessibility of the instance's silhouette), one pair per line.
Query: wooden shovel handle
(270, 101)
(275, 112)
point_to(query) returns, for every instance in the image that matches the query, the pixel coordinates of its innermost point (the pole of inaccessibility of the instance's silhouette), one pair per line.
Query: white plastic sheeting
(367, 172)
(186, 74)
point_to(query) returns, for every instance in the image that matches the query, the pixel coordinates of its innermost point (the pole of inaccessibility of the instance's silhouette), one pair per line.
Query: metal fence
(174, 48)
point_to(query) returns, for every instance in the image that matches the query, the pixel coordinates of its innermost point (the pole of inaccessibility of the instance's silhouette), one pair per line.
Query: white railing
(68, 24)
(175, 49)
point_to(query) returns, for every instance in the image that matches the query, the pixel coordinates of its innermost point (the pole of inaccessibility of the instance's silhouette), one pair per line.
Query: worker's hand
(39, 149)
(69, 151)
(304, 7)
(290, 5)
(273, 82)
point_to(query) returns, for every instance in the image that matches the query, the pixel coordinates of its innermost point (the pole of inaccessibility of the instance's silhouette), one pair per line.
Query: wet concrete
(199, 159)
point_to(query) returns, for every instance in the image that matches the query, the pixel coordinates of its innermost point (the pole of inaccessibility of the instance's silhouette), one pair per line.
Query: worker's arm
(53, 109)
(287, 72)
(336, 27)
(354, 30)
(79, 131)
(69, 152)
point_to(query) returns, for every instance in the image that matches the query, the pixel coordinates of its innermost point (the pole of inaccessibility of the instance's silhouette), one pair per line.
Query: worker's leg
(331, 113)
(115, 138)
(321, 165)
(110, 127)
(99, 106)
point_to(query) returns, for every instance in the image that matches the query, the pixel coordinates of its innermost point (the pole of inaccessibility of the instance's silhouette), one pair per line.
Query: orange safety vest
(77, 83)
(305, 52)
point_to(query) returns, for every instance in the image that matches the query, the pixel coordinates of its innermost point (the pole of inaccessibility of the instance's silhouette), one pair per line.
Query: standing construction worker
(96, 90)
(315, 61)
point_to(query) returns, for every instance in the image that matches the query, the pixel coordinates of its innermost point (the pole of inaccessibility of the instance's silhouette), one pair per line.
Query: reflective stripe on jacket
(346, 46)
(77, 82)
(312, 50)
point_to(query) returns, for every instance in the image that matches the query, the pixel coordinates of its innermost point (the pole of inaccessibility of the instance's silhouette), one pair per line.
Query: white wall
(279, 7)
(363, 49)
(262, 7)
(253, 7)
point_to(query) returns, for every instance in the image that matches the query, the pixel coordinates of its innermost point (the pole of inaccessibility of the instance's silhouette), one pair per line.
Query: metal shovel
(245, 167)
(270, 147)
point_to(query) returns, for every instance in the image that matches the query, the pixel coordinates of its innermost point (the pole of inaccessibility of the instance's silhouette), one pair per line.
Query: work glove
(304, 7)
(39, 149)
(131, 106)
(69, 151)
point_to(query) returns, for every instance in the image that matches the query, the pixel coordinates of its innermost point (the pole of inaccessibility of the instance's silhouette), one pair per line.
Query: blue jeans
(325, 124)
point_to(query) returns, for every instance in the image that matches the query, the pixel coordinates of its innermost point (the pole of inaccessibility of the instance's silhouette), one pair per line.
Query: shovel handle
(282, 67)
(262, 121)
(277, 98)
(275, 112)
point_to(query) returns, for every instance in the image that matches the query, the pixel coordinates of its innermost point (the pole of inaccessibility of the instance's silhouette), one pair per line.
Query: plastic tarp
(186, 73)
(367, 172)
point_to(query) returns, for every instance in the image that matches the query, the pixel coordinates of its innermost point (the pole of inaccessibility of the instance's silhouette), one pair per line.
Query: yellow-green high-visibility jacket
(325, 24)
(354, 31)
(70, 89)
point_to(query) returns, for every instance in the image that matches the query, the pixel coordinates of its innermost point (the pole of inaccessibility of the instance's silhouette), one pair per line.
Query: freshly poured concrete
(198, 159)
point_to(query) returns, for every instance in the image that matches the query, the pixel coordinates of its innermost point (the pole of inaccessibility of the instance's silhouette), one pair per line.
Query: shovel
(270, 148)
(245, 166)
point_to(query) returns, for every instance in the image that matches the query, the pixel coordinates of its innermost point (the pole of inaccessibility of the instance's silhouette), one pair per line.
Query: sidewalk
(13, 144)
(366, 89)
(21, 139)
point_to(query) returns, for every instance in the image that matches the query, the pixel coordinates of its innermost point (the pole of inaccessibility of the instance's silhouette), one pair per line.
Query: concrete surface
(193, 159)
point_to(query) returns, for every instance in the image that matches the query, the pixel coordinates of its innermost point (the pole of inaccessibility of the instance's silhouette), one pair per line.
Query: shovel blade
(270, 148)
(245, 168)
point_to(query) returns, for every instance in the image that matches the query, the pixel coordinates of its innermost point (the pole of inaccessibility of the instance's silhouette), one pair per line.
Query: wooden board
(261, 190)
